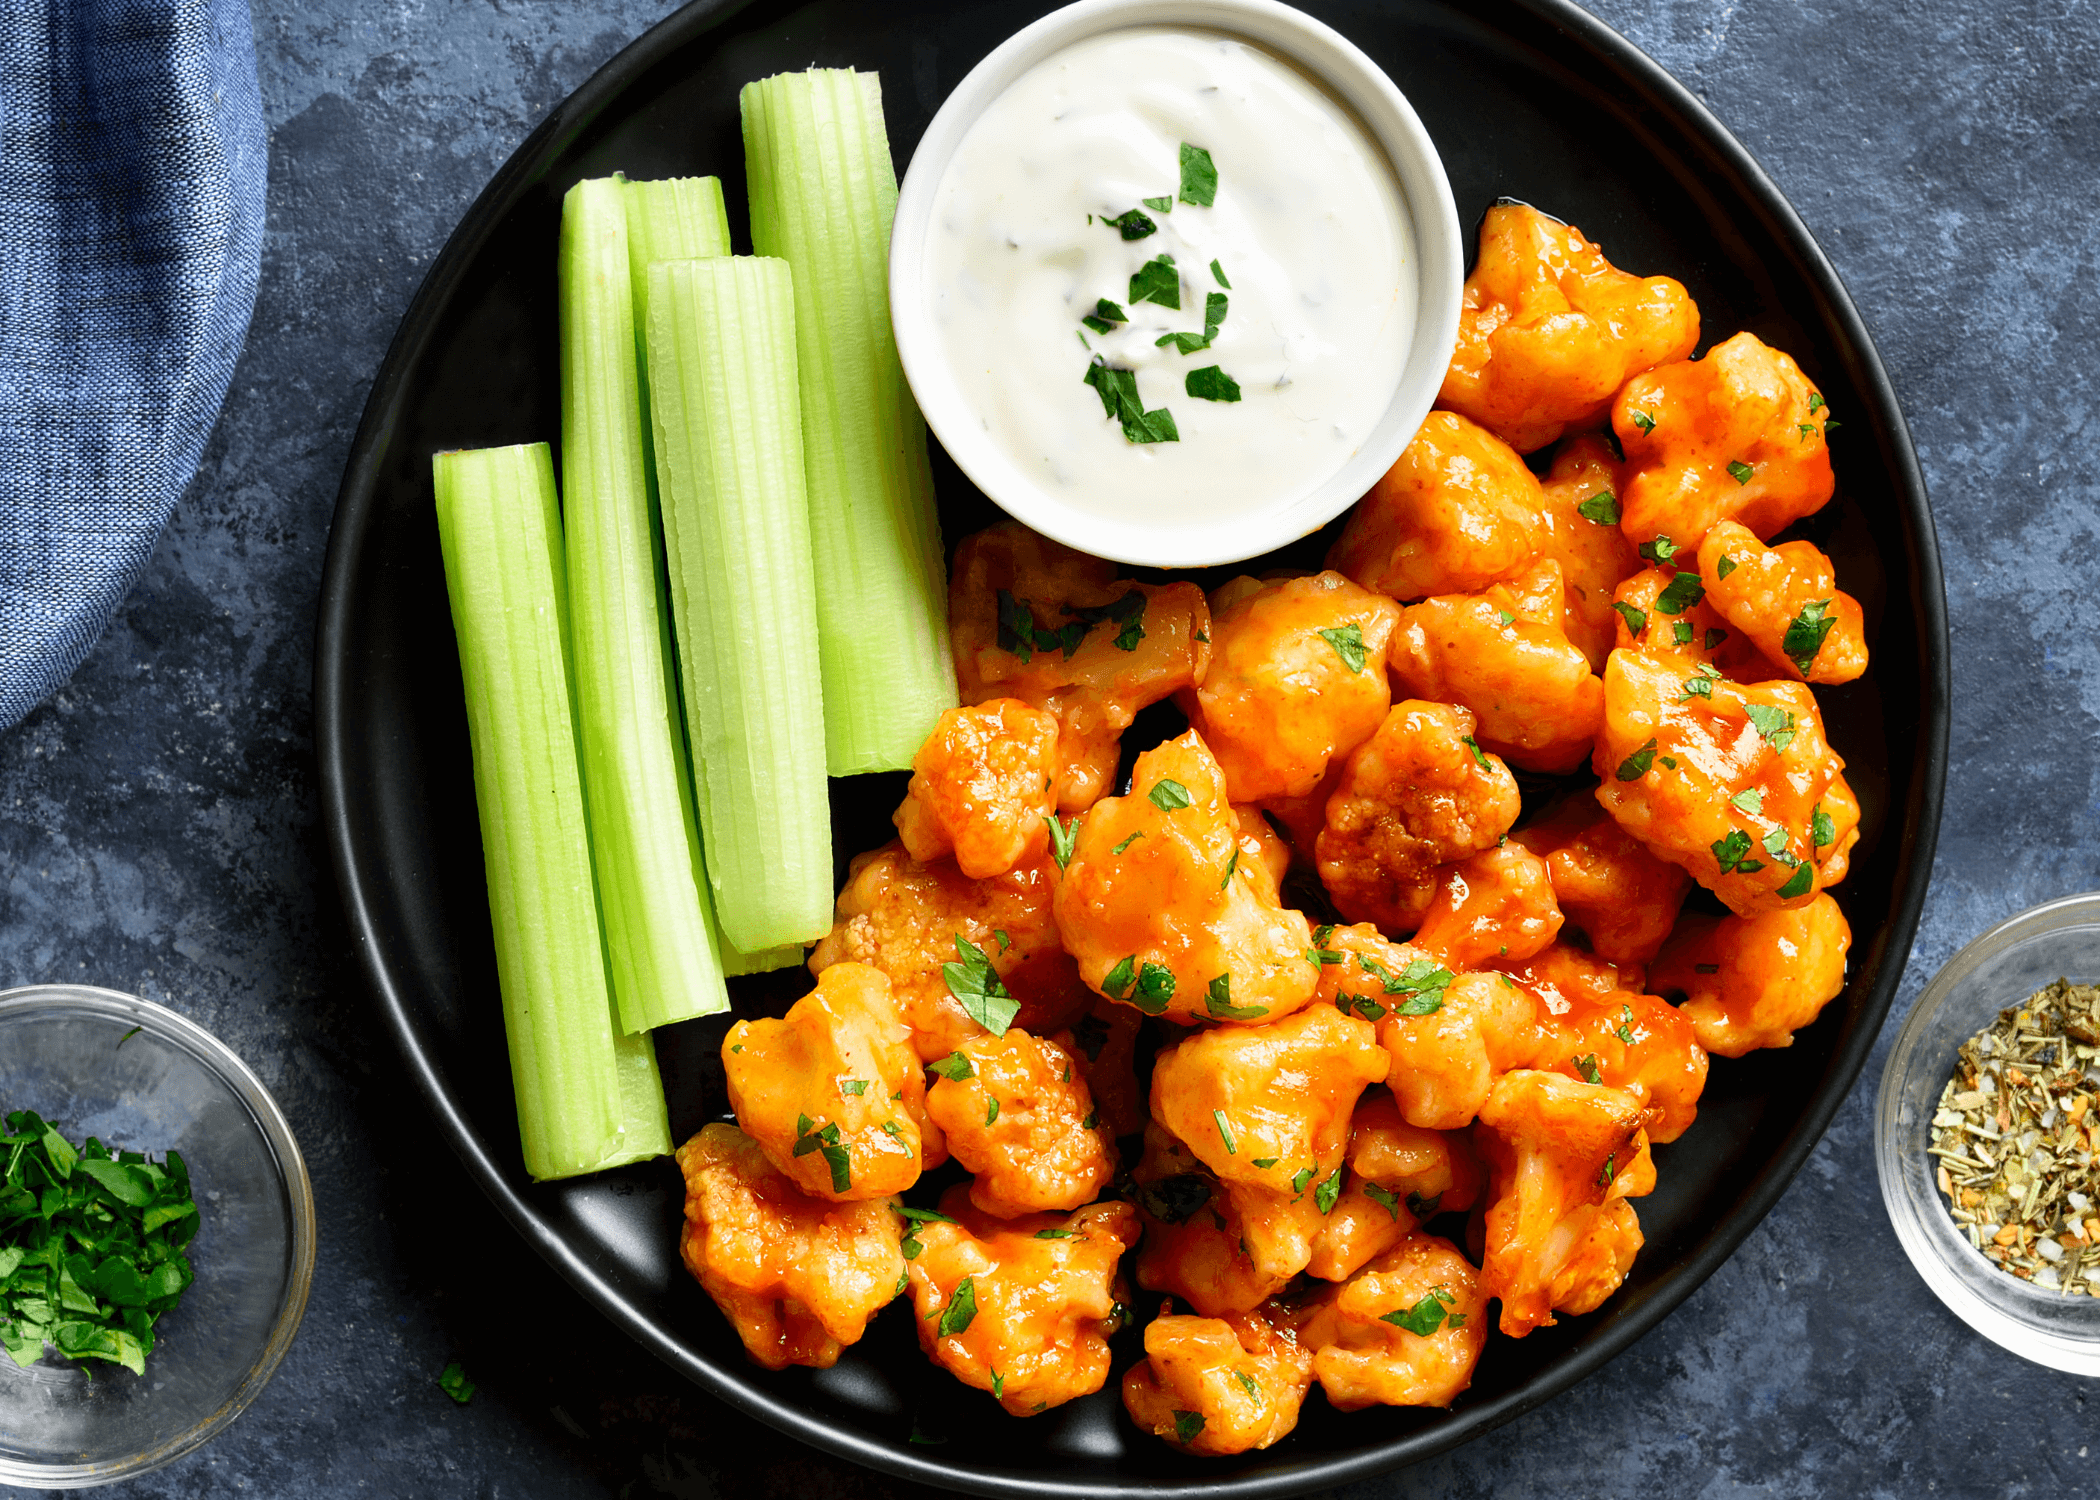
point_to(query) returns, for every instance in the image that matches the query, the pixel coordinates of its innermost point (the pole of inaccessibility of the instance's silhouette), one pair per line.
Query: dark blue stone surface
(158, 817)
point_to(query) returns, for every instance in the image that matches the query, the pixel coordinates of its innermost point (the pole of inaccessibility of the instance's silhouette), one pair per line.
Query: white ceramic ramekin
(1425, 196)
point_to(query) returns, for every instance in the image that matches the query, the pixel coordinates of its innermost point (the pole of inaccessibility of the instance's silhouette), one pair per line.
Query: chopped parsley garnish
(1776, 725)
(1635, 766)
(1636, 619)
(1263, 1163)
(1822, 828)
(1775, 843)
(1348, 643)
(1199, 176)
(991, 1111)
(1217, 999)
(1684, 591)
(1160, 205)
(1155, 987)
(1424, 1208)
(1739, 471)
(1660, 550)
(1119, 399)
(1219, 272)
(1230, 866)
(1117, 981)
(1214, 305)
(1127, 612)
(892, 1128)
(998, 1385)
(1005, 942)
(1053, 1234)
(1751, 801)
(954, 1067)
(1504, 618)
(1479, 755)
(1423, 982)
(1168, 795)
(1732, 853)
(1211, 383)
(854, 1086)
(1232, 1145)
(1586, 1064)
(1609, 1171)
(1815, 400)
(1798, 883)
(1681, 632)
(924, 1216)
(1019, 634)
(1425, 1317)
(1698, 685)
(1105, 316)
(91, 1245)
(1642, 420)
(1713, 637)
(1301, 1179)
(1062, 837)
(1623, 1027)
(961, 1310)
(1247, 1383)
(1328, 1193)
(1670, 762)
(1385, 1198)
(978, 987)
(1134, 225)
(1725, 566)
(453, 1381)
(1128, 842)
(1326, 955)
(827, 1142)
(1157, 281)
(1187, 1424)
(1602, 507)
(1363, 1005)
(1805, 634)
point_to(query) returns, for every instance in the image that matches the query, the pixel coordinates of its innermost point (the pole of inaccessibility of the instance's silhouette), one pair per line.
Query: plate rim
(1652, 88)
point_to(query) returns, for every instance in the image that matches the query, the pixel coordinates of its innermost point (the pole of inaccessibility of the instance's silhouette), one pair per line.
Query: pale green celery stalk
(588, 1096)
(682, 218)
(645, 844)
(823, 193)
(728, 429)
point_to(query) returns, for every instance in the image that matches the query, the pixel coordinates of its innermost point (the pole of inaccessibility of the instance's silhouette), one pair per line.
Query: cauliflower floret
(1736, 436)
(1103, 1047)
(1550, 328)
(1163, 909)
(1022, 1308)
(1600, 1260)
(797, 1277)
(1406, 1330)
(1561, 975)
(1557, 1151)
(1456, 511)
(1498, 904)
(982, 787)
(1195, 1245)
(1505, 655)
(1605, 881)
(1663, 611)
(1593, 554)
(1296, 680)
(1031, 619)
(1268, 1106)
(909, 920)
(1398, 1174)
(1752, 982)
(1786, 600)
(832, 1092)
(1719, 777)
(1218, 1386)
(1418, 794)
(1639, 1043)
(1017, 1112)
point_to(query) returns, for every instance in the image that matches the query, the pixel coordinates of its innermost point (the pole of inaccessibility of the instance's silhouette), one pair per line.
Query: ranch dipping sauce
(1271, 206)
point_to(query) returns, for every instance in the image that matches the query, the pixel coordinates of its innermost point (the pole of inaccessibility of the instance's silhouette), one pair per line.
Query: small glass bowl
(140, 1077)
(2060, 939)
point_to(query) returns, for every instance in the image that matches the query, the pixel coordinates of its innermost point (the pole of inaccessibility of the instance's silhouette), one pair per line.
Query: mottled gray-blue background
(157, 817)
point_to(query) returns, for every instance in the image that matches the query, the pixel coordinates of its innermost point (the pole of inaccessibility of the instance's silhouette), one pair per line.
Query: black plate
(1534, 99)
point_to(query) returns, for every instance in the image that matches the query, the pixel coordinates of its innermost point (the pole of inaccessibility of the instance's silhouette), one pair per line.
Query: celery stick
(823, 193)
(588, 1097)
(645, 844)
(721, 347)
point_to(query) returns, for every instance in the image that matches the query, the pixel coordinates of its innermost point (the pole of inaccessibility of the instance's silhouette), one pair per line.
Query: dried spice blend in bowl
(2016, 1136)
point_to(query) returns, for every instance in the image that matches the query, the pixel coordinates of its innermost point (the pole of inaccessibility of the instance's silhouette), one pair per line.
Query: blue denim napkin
(132, 169)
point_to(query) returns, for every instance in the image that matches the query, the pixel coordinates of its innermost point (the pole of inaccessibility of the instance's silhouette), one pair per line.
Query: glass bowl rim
(1986, 1312)
(276, 1131)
